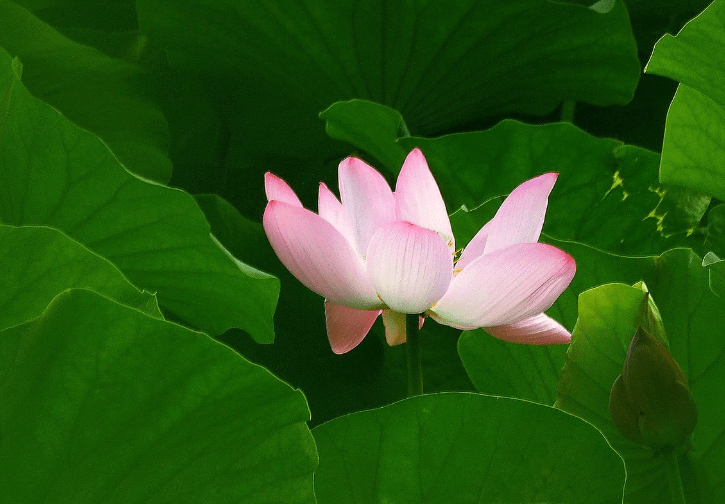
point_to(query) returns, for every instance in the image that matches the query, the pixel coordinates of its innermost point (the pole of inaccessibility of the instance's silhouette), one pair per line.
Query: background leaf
(607, 194)
(108, 96)
(39, 263)
(102, 403)
(464, 448)
(270, 67)
(55, 174)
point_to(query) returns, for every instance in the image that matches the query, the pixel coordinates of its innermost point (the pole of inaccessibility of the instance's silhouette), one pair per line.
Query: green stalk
(412, 352)
(567, 111)
(673, 477)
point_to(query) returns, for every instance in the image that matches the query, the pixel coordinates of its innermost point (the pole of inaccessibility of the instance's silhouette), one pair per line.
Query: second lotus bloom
(377, 251)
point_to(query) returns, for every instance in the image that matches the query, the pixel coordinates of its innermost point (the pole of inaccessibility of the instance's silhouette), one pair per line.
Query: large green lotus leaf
(606, 196)
(464, 448)
(38, 263)
(107, 96)
(412, 56)
(271, 67)
(693, 148)
(103, 404)
(55, 174)
(691, 314)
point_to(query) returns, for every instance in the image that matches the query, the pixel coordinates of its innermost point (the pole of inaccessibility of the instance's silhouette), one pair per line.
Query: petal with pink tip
(506, 286)
(394, 327)
(318, 255)
(367, 198)
(474, 248)
(521, 216)
(410, 267)
(537, 330)
(347, 327)
(278, 190)
(418, 199)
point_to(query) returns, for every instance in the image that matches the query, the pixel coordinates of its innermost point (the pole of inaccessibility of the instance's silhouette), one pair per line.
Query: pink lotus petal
(474, 248)
(537, 330)
(367, 198)
(418, 199)
(330, 209)
(521, 216)
(410, 267)
(278, 190)
(394, 327)
(506, 286)
(346, 327)
(318, 255)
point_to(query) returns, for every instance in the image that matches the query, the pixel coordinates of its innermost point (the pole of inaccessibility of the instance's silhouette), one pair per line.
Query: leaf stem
(567, 111)
(412, 352)
(673, 477)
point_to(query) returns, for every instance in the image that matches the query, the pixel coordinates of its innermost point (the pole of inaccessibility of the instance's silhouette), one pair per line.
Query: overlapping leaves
(693, 149)
(53, 173)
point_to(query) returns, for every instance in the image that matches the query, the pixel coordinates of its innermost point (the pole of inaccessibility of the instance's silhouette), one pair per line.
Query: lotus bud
(650, 401)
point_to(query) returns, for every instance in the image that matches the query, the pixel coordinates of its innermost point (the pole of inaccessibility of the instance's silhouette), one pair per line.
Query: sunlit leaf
(103, 404)
(693, 149)
(464, 448)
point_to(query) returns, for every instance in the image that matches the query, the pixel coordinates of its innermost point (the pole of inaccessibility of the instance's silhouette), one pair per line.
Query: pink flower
(393, 253)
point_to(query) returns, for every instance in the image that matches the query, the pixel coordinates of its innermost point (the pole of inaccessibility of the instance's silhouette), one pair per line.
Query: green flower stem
(412, 352)
(673, 477)
(567, 111)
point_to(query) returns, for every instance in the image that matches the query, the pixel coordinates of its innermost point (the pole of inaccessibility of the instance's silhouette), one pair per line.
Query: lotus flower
(377, 251)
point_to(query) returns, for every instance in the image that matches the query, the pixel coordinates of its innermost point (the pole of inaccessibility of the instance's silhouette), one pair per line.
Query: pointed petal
(537, 330)
(409, 266)
(506, 286)
(330, 209)
(474, 248)
(367, 198)
(277, 189)
(418, 199)
(521, 216)
(346, 327)
(394, 327)
(318, 255)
